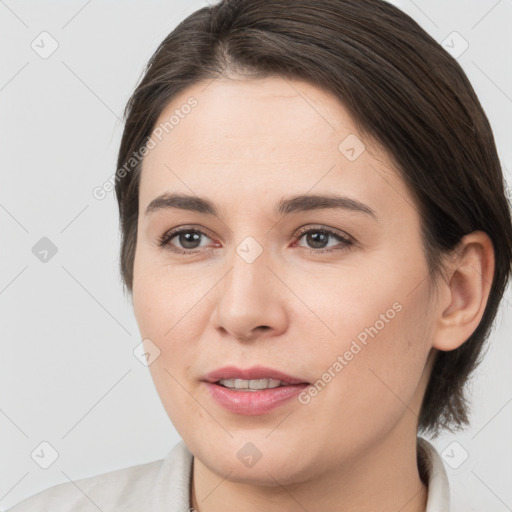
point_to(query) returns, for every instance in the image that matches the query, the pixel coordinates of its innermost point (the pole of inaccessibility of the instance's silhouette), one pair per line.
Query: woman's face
(262, 287)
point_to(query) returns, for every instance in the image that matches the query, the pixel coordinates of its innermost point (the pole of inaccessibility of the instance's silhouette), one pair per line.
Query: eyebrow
(294, 204)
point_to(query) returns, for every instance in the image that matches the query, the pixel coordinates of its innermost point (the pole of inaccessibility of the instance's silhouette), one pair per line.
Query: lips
(251, 402)
(256, 372)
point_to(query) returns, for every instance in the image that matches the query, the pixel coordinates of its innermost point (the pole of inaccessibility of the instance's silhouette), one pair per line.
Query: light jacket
(164, 486)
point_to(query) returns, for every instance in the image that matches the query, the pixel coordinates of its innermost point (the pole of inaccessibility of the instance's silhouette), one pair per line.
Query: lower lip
(250, 403)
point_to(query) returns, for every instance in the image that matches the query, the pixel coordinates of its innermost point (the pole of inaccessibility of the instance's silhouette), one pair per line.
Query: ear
(464, 291)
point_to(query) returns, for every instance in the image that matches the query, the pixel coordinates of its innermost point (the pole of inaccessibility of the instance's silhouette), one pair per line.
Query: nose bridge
(247, 298)
(243, 285)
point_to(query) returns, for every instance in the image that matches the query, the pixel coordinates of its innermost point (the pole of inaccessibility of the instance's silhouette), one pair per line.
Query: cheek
(166, 300)
(370, 360)
(377, 363)
(165, 315)
(169, 309)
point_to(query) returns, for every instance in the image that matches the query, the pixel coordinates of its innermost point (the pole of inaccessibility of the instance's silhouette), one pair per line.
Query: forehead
(230, 138)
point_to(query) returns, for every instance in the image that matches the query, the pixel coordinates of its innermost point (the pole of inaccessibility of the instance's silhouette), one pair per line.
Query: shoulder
(126, 489)
(107, 491)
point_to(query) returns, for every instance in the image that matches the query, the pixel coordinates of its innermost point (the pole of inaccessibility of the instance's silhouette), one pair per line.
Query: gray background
(68, 375)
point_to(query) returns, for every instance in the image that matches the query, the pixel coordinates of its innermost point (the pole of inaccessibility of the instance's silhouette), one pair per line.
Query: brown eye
(318, 238)
(188, 239)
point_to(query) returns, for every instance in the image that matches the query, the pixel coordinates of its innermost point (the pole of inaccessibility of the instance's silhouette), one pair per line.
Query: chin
(252, 462)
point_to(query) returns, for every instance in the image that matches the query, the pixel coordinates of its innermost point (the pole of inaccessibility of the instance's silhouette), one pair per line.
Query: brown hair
(402, 89)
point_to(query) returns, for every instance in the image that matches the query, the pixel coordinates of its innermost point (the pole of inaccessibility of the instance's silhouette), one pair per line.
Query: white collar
(438, 485)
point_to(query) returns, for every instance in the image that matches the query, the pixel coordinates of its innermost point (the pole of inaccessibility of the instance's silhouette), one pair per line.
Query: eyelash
(165, 239)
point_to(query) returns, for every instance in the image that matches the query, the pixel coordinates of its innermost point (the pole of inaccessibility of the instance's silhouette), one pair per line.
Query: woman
(316, 238)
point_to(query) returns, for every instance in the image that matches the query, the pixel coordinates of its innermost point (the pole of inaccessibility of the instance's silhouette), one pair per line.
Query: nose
(251, 299)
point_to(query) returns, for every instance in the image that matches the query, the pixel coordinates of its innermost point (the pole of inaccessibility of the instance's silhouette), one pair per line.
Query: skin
(246, 145)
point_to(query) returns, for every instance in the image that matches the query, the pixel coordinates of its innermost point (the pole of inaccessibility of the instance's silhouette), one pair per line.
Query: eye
(190, 240)
(187, 237)
(319, 237)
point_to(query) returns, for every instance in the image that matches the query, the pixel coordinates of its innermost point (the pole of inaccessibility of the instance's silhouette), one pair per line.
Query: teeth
(251, 385)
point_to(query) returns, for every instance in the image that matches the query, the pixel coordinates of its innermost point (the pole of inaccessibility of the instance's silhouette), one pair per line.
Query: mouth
(252, 384)
(252, 379)
(252, 391)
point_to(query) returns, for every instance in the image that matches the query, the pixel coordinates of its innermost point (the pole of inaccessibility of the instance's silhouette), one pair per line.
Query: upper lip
(256, 372)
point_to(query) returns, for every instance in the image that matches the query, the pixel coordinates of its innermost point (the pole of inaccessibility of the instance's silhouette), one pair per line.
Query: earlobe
(466, 289)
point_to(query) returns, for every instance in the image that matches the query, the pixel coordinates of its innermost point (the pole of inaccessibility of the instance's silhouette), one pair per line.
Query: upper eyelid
(318, 227)
(298, 233)
(300, 229)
